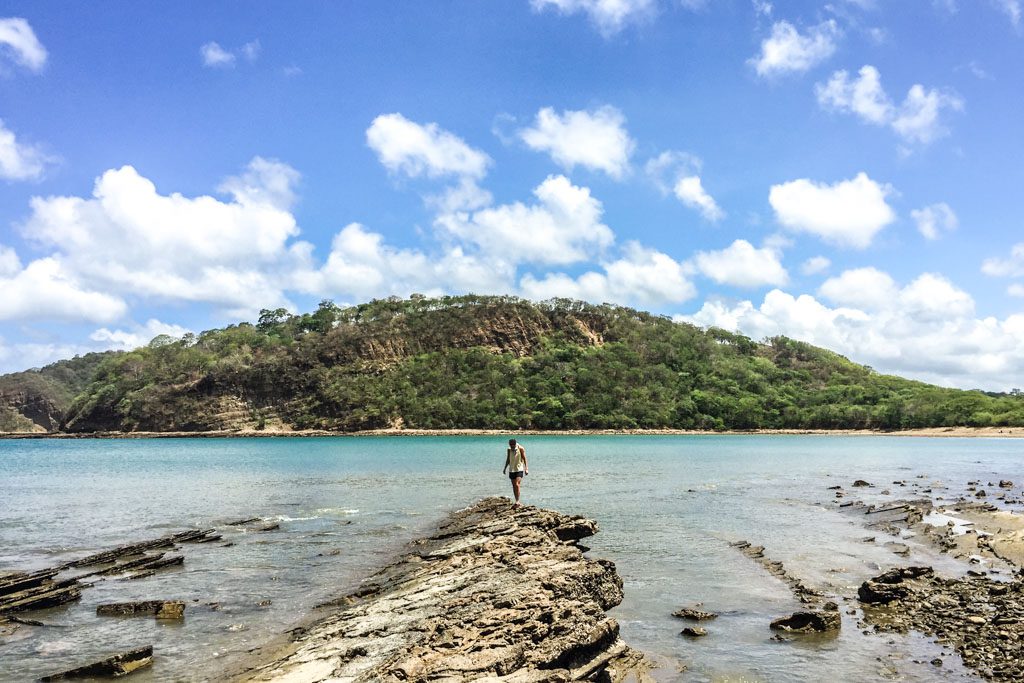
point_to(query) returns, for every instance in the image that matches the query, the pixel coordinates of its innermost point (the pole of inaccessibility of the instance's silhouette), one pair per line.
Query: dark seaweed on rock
(478, 362)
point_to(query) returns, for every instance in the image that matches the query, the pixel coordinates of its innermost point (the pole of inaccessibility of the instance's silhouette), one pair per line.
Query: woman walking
(515, 465)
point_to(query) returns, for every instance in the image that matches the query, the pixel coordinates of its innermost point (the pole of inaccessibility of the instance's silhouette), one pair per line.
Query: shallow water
(668, 507)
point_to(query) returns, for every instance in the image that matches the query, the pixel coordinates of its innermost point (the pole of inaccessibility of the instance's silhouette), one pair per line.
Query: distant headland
(479, 364)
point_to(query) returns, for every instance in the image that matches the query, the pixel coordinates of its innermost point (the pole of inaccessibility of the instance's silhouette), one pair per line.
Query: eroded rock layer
(498, 593)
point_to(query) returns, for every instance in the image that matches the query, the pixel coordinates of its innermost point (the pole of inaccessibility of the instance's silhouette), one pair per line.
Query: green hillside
(39, 400)
(501, 362)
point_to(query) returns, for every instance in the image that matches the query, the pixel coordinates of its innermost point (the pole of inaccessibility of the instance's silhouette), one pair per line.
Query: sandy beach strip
(948, 432)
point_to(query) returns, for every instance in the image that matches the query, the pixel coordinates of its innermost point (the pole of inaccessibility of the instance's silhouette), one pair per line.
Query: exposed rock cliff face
(39, 412)
(38, 400)
(257, 397)
(497, 594)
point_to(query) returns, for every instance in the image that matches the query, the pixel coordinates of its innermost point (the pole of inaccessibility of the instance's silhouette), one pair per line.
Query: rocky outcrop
(497, 594)
(982, 619)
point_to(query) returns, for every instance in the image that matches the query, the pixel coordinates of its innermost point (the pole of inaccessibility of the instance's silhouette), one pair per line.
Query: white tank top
(515, 459)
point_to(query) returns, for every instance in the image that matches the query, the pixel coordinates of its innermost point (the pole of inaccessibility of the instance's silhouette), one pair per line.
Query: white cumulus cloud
(215, 56)
(10, 264)
(679, 173)
(691, 192)
(917, 119)
(19, 43)
(641, 276)
(848, 213)
(130, 239)
(21, 356)
(19, 161)
(1006, 267)
(609, 16)
(815, 265)
(741, 264)
(415, 150)
(564, 226)
(787, 50)
(867, 288)
(46, 289)
(927, 330)
(935, 219)
(138, 335)
(597, 140)
(362, 265)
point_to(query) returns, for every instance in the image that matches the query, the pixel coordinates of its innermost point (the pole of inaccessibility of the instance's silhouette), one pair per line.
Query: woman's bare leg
(515, 487)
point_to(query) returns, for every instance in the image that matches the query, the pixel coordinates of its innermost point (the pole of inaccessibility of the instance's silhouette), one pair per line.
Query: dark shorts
(515, 475)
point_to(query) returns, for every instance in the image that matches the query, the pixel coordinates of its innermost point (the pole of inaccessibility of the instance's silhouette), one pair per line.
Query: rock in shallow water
(827, 619)
(497, 591)
(161, 609)
(112, 667)
(694, 613)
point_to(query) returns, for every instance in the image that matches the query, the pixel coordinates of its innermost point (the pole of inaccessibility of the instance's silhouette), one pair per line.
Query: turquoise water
(668, 506)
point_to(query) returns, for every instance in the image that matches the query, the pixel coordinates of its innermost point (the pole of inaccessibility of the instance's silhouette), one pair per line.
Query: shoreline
(943, 432)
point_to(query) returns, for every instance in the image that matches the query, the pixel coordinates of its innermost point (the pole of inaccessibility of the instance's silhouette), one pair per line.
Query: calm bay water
(668, 506)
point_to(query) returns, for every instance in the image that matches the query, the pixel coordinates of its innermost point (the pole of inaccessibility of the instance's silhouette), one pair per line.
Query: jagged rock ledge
(496, 594)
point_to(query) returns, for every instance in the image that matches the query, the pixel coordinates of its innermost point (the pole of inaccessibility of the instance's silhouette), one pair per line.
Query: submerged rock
(497, 591)
(115, 666)
(694, 613)
(161, 609)
(694, 631)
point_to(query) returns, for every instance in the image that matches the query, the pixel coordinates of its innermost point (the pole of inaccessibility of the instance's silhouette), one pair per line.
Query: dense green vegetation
(501, 362)
(41, 398)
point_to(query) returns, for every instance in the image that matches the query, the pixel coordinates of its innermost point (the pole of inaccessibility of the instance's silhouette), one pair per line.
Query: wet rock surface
(983, 620)
(821, 621)
(55, 586)
(161, 609)
(979, 614)
(112, 667)
(496, 594)
(694, 613)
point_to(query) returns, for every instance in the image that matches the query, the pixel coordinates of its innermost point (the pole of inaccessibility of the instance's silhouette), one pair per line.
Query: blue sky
(846, 173)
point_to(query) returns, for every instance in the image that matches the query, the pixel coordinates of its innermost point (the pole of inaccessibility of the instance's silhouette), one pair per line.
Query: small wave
(338, 511)
(286, 518)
